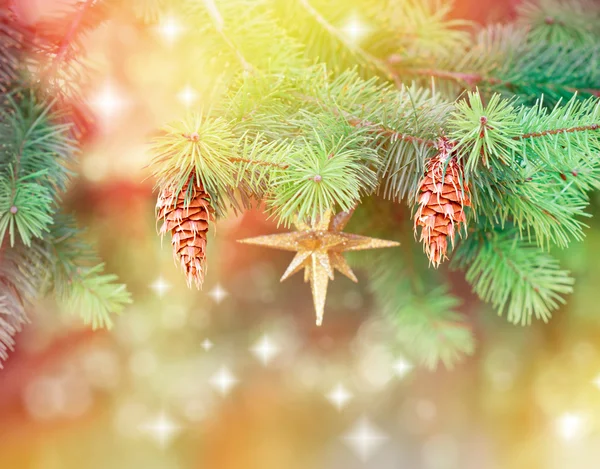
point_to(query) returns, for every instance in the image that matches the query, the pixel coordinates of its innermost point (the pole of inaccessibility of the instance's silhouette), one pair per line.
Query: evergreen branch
(392, 134)
(514, 275)
(425, 322)
(322, 175)
(219, 25)
(12, 39)
(266, 164)
(77, 278)
(374, 62)
(545, 133)
(503, 59)
(560, 21)
(94, 296)
(200, 146)
(20, 280)
(66, 41)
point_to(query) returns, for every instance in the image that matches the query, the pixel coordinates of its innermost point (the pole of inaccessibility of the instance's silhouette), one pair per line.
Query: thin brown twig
(473, 79)
(395, 135)
(544, 133)
(375, 62)
(259, 162)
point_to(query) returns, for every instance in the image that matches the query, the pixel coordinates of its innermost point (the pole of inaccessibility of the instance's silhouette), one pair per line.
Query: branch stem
(544, 133)
(259, 163)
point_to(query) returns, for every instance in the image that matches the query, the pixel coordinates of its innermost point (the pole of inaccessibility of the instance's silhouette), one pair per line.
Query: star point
(319, 249)
(265, 349)
(218, 293)
(339, 396)
(223, 380)
(160, 286)
(163, 429)
(365, 439)
(207, 344)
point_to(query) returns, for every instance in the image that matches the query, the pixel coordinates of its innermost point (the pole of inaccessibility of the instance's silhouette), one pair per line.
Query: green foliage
(426, 323)
(484, 135)
(334, 124)
(516, 276)
(25, 208)
(11, 39)
(200, 146)
(561, 21)
(77, 276)
(37, 152)
(19, 286)
(532, 165)
(308, 113)
(323, 175)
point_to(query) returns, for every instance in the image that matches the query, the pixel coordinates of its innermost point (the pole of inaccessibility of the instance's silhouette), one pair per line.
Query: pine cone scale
(188, 223)
(443, 195)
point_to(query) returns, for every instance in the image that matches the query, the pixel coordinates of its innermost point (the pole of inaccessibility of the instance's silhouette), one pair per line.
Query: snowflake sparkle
(265, 350)
(402, 367)
(223, 381)
(187, 96)
(160, 286)
(170, 29)
(364, 439)
(218, 293)
(339, 396)
(163, 429)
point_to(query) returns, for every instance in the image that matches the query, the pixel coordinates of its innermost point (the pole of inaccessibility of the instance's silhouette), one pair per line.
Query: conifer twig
(259, 162)
(219, 25)
(373, 61)
(545, 133)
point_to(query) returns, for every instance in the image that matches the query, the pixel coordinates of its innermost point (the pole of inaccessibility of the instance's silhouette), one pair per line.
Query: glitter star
(265, 350)
(108, 102)
(571, 426)
(364, 438)
(207, 344)
(169, 29)
(163, 429)
(319, 249)
(160, 286)
(354, 30)
(402, 367)
(596, 381)
(223, 380)
(187, 96)
(218, 293)
(339, 396)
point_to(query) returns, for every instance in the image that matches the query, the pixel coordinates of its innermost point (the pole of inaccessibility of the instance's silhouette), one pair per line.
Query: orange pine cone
(188, 224)
(442, 198)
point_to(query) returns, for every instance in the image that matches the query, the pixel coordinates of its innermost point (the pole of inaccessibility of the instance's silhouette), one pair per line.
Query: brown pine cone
(441, 201)
(188, 224)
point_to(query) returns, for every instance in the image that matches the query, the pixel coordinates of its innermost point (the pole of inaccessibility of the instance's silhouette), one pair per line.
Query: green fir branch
(425, 321)
(76, 276)
(560, 21)
(514, 275)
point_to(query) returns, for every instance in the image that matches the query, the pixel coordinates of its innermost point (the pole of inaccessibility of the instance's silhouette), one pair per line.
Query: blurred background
(237, 376)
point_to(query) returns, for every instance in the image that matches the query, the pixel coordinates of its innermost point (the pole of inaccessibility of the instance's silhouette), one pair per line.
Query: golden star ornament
(319, 249)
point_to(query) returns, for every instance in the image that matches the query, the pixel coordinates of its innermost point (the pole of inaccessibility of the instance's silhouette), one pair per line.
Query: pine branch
(219, 25)
(514, 275)
(560, 21)
(523, 180)
(12, 39)
(503, 59)
(77, 278)
(370, 60)
(425, 321)
(545, 133)
(19, 283)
